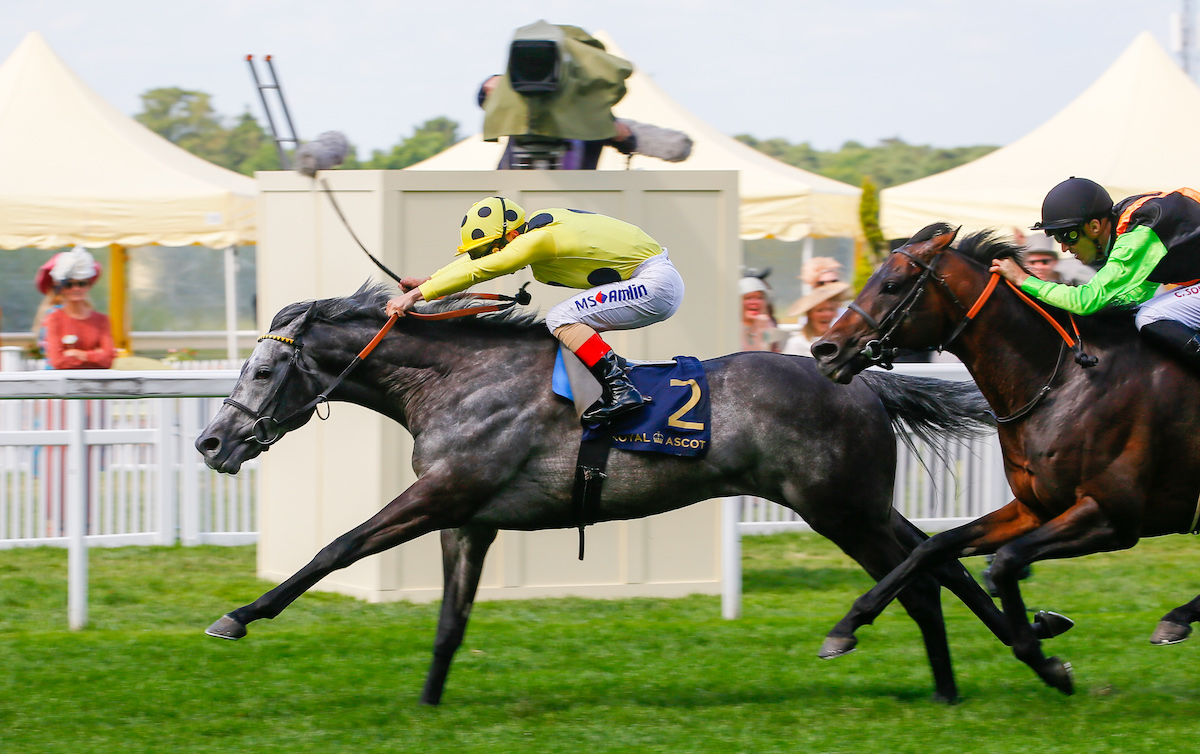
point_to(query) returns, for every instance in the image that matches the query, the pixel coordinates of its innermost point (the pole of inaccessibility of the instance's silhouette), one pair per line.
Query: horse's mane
(367, 303)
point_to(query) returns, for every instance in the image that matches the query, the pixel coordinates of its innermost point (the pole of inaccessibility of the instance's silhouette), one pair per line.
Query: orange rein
(387, 326)
(454, 313)
(991, 286)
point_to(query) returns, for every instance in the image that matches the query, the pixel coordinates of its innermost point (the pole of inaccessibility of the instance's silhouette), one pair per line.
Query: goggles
(480, 252)
(77, 284)
(1068, 237)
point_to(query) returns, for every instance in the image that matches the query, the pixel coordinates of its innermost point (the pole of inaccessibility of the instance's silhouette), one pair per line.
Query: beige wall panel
(682, 548)
(551, 558)
(330, 476)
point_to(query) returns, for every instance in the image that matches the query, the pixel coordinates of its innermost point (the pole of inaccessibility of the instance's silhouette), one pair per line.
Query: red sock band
(592, 350)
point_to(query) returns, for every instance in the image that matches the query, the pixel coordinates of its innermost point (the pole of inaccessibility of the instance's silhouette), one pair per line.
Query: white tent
(777, 200)
(1134, 130)
(74, 170)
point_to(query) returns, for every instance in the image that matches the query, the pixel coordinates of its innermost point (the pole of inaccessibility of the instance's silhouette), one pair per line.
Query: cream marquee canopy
(74, 170)
(777, 200)
(1134, 130)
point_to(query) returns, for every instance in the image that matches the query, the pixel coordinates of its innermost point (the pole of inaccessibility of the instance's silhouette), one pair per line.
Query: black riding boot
(1178, 339)
(619, 396)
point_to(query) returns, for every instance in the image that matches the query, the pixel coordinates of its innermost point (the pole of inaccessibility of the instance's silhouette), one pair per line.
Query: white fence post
(231, 264)
(731, 558)
(10, 359)
(189, 474)
(165, 482)
(77, 554)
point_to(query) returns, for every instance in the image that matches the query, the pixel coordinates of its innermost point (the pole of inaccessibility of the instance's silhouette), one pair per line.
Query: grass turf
(332, 674)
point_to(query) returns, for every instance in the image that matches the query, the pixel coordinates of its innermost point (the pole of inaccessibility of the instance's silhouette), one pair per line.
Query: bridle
(877, 351)
(266, 429)
(880, 353)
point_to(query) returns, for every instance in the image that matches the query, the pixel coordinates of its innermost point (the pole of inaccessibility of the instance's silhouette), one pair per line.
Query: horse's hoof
(1047, 624)
(1058, 674)
(836, 646)
(227, 628)
(1168, 632)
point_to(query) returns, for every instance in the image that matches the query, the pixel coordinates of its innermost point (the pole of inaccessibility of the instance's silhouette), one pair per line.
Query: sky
(945, 73)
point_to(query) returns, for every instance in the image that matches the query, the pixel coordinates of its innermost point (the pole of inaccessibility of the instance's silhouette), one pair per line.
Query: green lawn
(335, 675)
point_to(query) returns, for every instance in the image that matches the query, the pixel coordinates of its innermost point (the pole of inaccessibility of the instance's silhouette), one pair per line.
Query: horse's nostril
(208, 444)
(824, 350)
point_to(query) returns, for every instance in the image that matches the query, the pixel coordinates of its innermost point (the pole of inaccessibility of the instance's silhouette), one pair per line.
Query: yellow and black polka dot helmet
(488, 220)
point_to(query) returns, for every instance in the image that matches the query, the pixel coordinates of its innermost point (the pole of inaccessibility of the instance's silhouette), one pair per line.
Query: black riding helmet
(1072, 203)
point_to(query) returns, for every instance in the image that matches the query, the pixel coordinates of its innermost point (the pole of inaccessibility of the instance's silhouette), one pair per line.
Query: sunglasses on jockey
(1068, 237)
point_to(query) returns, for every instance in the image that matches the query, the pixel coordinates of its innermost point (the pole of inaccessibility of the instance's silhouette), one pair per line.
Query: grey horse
(495, 448)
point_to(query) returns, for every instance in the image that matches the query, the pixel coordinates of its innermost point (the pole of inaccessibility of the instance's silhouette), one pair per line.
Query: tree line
(187, 118)
(890, 163)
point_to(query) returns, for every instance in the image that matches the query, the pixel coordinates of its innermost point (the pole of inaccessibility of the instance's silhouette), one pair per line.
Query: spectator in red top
(77, 336)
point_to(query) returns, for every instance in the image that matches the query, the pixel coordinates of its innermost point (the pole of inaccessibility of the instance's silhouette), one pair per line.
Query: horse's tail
(931, 409)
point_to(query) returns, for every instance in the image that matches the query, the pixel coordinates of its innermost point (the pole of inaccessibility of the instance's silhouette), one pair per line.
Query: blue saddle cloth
(677, 422)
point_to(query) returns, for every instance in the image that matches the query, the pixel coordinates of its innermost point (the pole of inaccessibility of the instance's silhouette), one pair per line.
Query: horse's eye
(262, 373)
(890, 286)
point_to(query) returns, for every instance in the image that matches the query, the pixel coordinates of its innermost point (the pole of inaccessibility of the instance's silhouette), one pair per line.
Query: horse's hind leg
(463, 551)
(1082, 529)
(1176, 626)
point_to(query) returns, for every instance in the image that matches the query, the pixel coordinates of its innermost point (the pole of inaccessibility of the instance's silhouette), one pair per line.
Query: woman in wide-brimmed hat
(820, 308)
(76, 335)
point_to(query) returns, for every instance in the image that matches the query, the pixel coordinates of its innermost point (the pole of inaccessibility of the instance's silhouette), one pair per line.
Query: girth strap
(589, 479)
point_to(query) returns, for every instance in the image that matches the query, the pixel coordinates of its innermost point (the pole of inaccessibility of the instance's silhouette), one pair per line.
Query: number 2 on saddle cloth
(676, 422)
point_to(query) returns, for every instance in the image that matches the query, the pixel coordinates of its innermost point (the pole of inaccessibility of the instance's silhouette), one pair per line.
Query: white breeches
(1180, 304)
(653, 293)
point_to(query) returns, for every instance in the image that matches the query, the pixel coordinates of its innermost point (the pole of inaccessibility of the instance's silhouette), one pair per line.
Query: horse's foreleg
(1176, 626)
(979, 536)
(426, 506)
(955, 577)
(1082, 529)
(463, 551)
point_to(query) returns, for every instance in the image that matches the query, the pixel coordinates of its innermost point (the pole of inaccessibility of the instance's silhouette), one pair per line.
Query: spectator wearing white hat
(760, 332)
(77, 336)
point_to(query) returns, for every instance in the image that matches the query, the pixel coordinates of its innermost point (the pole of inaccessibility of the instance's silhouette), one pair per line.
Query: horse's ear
(942, 240)
(296, 326)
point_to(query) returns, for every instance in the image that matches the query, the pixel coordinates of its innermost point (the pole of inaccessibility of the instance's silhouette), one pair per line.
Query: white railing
(105, 458)
(933, 494)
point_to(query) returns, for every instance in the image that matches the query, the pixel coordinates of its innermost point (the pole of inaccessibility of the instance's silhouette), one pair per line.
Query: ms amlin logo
(628, 293)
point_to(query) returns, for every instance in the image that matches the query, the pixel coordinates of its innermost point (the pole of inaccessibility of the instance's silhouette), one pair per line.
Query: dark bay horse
(1097, 457)
(494, 448)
